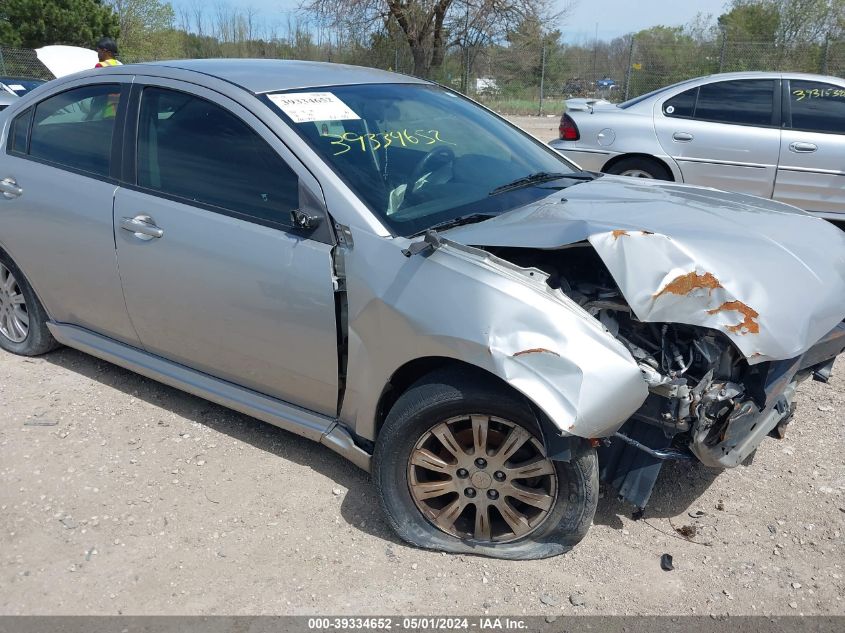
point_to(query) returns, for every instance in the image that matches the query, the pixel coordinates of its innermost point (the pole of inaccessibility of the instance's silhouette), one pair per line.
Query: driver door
(214, 274)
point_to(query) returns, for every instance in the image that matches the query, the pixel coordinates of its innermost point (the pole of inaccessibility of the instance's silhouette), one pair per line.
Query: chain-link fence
(536, 78)
(526, 81)
(24, 63)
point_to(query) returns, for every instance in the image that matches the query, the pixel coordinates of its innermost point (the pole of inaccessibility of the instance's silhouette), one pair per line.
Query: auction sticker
(305, 107)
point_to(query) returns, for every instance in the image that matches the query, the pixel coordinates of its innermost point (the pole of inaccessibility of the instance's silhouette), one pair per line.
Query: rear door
(811, 172)
(215, 276)
(724, 134)
(62, 155)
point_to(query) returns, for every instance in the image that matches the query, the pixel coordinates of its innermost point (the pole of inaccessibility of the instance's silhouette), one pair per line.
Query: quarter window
(193, 149)
(742, 102)
(817, 107)
(682, 105)
(20, 132)
(75, 128)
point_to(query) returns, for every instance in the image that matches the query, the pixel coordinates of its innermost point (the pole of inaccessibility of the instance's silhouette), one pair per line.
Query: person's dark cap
(107, 44)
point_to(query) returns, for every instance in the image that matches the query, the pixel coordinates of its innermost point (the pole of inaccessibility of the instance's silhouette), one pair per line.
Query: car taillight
(568, 129)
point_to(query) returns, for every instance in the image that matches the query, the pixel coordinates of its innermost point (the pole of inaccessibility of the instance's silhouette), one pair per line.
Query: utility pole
(542, 79)
(595, 54)
(630, 68)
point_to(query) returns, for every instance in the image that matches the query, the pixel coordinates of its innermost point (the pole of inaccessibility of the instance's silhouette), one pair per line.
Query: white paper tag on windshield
(304, 107)
(17, 87)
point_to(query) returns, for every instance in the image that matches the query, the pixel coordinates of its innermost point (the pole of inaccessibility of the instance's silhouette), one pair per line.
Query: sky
(613, 17)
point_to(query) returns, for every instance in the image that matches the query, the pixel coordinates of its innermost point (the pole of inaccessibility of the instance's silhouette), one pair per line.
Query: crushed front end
(707, 399)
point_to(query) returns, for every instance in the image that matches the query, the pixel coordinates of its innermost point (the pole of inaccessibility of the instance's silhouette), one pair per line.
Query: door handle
(802, 148)
(684, 137)
(143, 227)
(9, 188)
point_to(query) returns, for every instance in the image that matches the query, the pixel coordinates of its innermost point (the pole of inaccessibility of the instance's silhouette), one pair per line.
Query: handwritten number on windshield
(349, 140)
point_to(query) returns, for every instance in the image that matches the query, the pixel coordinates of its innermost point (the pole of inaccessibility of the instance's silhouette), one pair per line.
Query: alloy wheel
(482, 478)
(14, 319)
(637, 173)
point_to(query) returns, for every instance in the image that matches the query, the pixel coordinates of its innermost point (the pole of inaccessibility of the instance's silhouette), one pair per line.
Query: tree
(430, 27)
(756, 21)
(36, 23)
(147, 29)
(786, 22)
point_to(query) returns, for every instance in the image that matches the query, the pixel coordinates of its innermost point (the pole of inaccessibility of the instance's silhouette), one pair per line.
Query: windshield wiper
(472, 218)
(540, 177)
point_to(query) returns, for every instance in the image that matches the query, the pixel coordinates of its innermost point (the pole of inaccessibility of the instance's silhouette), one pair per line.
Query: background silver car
(774, 135)
(376, 263)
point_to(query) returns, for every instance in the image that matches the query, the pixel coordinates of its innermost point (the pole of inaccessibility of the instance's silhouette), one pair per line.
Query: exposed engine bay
(705, 399)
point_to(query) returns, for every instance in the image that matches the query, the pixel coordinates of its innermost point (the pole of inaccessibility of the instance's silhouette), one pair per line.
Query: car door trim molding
(813, 170)
(308, 424)
(710, 161)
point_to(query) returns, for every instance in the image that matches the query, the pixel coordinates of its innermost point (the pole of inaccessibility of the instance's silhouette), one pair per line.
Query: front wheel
(461, 467)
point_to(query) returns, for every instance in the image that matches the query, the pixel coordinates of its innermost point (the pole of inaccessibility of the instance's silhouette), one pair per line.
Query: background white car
(774, 135)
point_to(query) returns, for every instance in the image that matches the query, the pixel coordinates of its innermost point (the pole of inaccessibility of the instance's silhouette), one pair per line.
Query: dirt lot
(120, 495)
(544, 128)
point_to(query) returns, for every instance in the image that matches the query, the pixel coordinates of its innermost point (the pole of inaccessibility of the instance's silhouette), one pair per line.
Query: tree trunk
(421, 59)
(438, 51)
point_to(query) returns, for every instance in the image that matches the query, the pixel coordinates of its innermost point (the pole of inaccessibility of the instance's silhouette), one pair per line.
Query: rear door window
(817, 107)
(681, 105)
(75, 128)
(740, 102)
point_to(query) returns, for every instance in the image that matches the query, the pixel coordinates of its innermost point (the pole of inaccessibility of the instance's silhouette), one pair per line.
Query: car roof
(271, 75)
(645, 100)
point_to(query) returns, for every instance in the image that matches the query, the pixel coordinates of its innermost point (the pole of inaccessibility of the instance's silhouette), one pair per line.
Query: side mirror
(304, 220)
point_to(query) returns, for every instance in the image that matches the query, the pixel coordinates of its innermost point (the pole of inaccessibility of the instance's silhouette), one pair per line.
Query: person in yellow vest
(106, 53)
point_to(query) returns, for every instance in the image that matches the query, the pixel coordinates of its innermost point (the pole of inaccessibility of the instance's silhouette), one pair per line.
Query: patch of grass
(508, 105)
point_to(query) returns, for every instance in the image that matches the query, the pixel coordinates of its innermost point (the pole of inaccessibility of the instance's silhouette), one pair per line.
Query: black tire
(38, 338)
(649, 166)
(444, 395)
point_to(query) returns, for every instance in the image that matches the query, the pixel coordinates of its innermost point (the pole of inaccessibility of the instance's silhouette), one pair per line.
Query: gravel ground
(544, 128)
(121, 495)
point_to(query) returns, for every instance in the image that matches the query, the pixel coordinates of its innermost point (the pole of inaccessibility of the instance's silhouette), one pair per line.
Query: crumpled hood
(769, 276)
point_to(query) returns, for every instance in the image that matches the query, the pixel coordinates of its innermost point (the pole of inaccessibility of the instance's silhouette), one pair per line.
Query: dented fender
(464, 303)
(768, 276)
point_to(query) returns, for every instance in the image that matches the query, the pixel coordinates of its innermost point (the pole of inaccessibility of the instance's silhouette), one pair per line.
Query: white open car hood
(769, 276)
(66, 60)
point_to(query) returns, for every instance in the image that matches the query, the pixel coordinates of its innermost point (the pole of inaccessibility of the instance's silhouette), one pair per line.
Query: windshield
(419, 155)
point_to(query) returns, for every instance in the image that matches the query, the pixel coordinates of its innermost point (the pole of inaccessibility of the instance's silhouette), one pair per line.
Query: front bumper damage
(761, 407)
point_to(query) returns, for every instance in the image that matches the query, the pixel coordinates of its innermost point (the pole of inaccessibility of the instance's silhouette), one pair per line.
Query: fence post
(630, 69)
(722, 51)
(825, 53)
(2, 61)
(396, 60)
(542, 79)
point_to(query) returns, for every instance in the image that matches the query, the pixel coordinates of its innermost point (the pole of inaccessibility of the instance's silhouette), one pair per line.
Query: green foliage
(37, 23)
(757, 21)
(147, 29)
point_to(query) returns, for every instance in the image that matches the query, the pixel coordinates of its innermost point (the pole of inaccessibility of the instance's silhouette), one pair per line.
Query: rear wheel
(640, 167)
(23, 321)
(461, 467)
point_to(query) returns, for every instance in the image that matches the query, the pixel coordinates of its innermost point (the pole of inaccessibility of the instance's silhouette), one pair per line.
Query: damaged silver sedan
(378, 264)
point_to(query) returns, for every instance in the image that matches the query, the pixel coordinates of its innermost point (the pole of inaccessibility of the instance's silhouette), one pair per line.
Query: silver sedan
(378, 264)
(774, 135)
